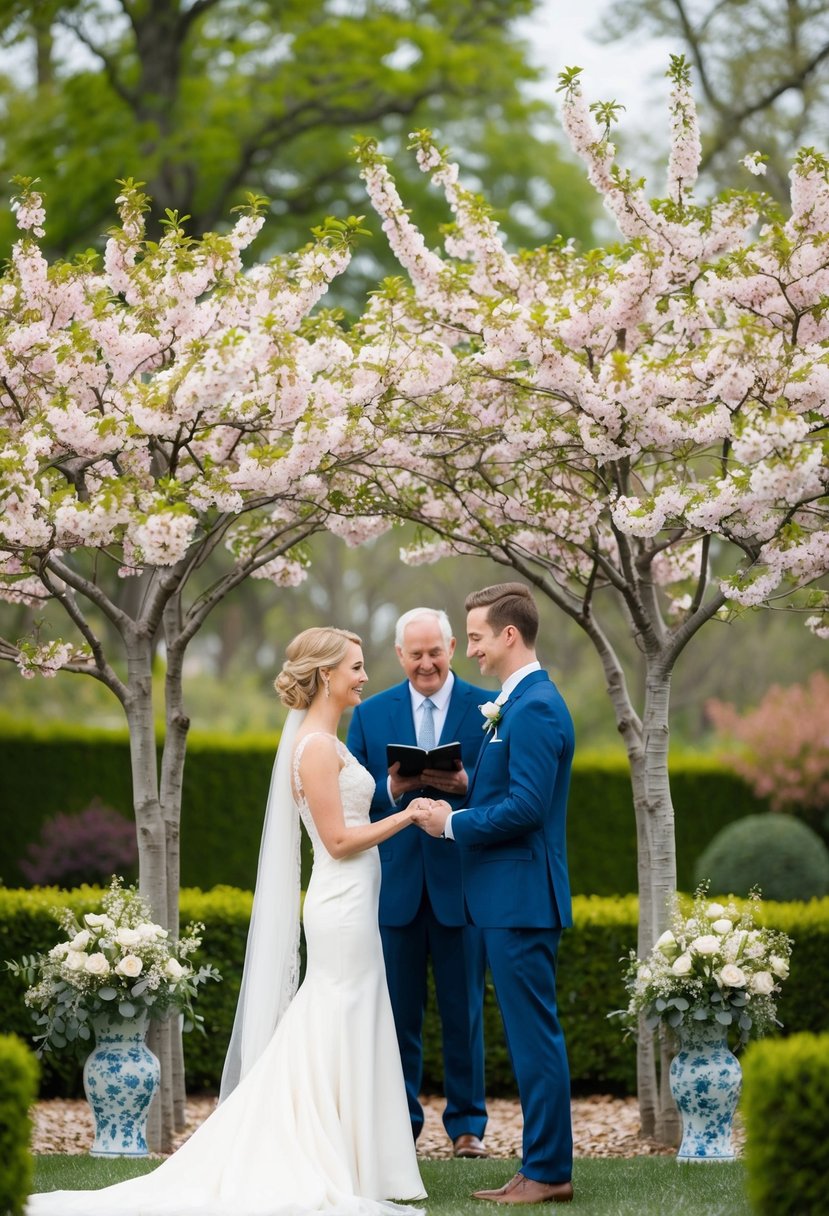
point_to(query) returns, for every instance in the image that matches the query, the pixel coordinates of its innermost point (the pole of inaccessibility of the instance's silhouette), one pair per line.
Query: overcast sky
(629, 72)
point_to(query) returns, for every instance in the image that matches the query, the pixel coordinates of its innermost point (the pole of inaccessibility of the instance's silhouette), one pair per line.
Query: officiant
(422, 918)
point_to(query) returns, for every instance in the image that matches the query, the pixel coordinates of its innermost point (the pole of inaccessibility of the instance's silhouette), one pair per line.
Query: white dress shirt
(510, 684)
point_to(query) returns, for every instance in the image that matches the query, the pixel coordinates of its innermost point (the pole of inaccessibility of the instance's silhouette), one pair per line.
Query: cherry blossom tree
(780, 747)
(638, 431)
(157, 410)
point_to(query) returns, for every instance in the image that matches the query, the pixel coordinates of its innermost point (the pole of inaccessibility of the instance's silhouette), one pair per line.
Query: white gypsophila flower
(780, 966)
(76, 960)
(707, 944)
(733, 976)
(81, 940)
(723, 926)
(174, 968)
(127, 937)
(130, 966)
(762, 982)
(733, 944)
(756, 947)
(714, 911)
(682, 965)
(97, 964)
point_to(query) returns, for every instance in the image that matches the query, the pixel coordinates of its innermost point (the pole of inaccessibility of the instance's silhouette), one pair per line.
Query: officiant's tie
(426, 734)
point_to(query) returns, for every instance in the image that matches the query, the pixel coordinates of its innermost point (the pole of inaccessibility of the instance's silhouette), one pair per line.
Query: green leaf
(724, 1018)
(107, 994)
(128, 1010)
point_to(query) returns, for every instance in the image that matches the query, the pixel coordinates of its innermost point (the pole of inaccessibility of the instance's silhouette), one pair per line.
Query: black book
(413, 760)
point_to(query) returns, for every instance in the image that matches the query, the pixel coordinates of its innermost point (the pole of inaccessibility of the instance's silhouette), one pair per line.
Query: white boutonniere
(492, 714)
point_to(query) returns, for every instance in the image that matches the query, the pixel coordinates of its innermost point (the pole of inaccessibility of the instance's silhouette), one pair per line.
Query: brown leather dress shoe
(468, 1145)
(526, 1190)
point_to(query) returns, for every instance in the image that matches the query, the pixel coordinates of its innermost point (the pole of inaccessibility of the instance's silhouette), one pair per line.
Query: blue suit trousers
(523, 966)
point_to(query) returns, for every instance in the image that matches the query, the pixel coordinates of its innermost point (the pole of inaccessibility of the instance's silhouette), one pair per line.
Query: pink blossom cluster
(46, 659)
(686, 149)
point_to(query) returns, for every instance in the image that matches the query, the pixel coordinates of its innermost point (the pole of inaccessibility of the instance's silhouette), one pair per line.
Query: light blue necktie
(426, 734)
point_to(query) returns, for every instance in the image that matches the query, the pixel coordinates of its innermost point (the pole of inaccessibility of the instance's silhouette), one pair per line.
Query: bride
(312, 1114)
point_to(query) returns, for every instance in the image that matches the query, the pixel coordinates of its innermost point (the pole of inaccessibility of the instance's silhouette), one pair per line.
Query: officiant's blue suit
(511, 841)
(422, 911)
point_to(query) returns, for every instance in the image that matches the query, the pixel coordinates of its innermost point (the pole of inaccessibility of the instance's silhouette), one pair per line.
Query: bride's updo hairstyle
(313, 649)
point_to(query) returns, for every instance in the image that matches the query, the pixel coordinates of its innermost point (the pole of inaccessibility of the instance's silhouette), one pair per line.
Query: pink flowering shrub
(784, 746)
(89, 847)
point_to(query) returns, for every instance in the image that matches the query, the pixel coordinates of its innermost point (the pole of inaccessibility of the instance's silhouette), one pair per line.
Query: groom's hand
(432, 816)
(455, 784)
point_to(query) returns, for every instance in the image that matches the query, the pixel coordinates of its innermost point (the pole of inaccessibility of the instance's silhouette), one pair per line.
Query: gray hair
(417, 614)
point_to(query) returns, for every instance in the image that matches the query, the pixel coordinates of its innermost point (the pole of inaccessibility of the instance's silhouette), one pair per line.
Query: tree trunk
(657, 885)
(152, 856)
(646, 743)
(172, 780)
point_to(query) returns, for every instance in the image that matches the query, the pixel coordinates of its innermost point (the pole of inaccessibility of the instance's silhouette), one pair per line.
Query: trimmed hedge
(18, 1090)
(786, 1112)
(45, 771)
(589, 984)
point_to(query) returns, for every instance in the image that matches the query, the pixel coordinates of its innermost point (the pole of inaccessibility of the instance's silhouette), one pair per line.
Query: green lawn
(642, 1186)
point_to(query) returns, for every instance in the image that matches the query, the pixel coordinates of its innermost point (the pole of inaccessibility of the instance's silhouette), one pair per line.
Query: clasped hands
(430, 814)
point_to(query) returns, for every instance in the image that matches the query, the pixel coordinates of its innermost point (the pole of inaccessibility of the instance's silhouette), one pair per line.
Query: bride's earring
(325, 684)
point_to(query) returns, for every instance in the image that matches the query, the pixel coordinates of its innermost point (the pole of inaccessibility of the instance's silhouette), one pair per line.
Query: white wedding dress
(320, 1123)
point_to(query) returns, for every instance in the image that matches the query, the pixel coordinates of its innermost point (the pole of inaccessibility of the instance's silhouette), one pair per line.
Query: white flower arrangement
(116, 963)
(712, 967)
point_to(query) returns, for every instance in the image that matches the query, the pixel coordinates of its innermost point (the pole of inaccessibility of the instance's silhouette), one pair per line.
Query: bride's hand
(419, 809)
(431, 815)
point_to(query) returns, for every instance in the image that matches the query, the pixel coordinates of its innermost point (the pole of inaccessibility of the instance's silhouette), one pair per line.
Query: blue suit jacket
(412, 858)
(511, 836)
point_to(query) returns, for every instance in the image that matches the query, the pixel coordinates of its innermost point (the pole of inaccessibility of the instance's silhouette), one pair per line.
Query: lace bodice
(356, 788)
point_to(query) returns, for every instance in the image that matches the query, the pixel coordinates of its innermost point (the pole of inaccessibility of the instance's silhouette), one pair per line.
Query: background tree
(762, 68)
(206, 100)
(781, 747)
(154, 413)
(643, 426)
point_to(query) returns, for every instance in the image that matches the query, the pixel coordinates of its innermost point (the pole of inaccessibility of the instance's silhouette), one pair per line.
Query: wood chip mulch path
(603, 1126)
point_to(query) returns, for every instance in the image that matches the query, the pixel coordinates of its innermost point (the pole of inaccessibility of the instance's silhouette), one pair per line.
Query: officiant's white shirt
(510, 683)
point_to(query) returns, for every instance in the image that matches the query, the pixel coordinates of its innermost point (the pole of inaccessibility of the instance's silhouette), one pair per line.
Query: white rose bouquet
(714, 966)
(116, 962)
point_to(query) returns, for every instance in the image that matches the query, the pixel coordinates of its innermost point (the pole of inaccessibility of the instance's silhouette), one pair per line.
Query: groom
(511, 840)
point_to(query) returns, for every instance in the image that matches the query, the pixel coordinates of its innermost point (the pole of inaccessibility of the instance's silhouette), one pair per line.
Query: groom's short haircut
(417, 614)
(507, 604)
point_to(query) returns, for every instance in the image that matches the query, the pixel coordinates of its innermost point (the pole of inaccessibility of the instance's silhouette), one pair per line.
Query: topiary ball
(775, 852)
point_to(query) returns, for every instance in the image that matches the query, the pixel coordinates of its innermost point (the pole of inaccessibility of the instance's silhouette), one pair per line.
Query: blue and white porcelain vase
(120, 1078)
(705, 1080)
